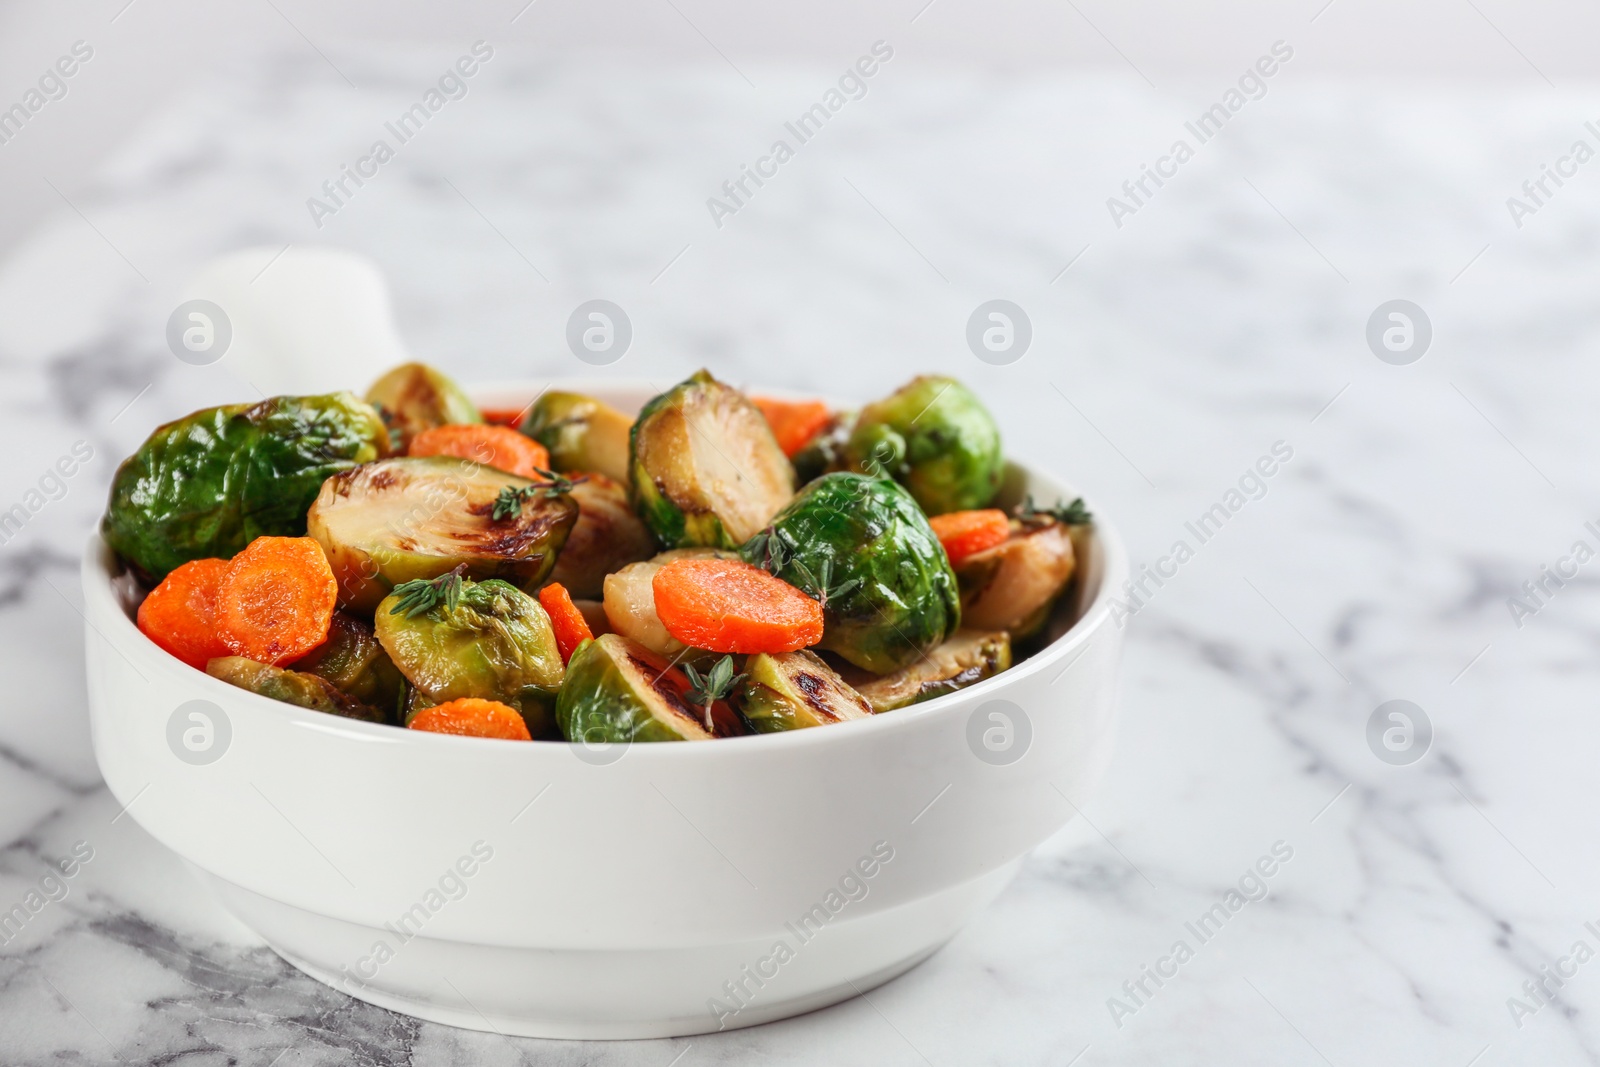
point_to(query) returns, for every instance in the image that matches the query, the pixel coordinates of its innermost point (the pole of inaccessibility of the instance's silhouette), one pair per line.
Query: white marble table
(1226, 315)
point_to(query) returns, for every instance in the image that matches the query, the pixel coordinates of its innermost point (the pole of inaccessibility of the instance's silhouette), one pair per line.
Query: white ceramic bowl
(549, 890)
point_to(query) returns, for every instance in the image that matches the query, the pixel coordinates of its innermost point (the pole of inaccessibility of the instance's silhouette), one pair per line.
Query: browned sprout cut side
(402, 519)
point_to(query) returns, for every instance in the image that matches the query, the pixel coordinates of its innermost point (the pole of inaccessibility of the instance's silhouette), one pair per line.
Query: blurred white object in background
(311, 320)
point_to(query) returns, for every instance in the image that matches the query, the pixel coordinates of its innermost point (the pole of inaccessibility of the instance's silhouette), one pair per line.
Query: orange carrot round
(276, 601)
(723, 605)
(965, 533)
(494, 446)
(572, 629)
(180, 614)
(471, 717)
(793, 422)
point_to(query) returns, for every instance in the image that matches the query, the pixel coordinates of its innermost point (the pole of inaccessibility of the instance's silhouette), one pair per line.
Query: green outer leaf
(495, 645)
(292, 687)
(868, 531)
(353, 660)
(608, 697)
(936, 438)
(207, 485)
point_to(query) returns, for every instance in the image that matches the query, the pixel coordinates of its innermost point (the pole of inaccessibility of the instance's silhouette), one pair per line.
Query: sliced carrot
(180, 614)
(511, 417)
(471, 717)
(493, 446)
(794, 422)
(723, 605)
(572, 629)
(965, 533)
(276, 600)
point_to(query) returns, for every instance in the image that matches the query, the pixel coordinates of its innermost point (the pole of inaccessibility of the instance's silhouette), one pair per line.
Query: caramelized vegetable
(618, 691)
(493, 446)
(964, 532)
(276, 600)
(207, 485)
(571, 629)
(581, 433)
(180, 614)
(353, 660)
(795, 690)
(414, 397)
(607, 537)
(794, 422)
(453, 638)
(1012, 585)
(630, 600)
(470, 717)
(966, 659)
(404, 519)
(934, 437)
(706, 469)
(291, 687)
(725, 605)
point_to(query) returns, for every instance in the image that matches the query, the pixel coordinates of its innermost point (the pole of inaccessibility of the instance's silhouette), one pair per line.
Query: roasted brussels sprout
(794, 690)
(453, 638)
(706, 469)
(935, 438)
(353, 660)
(618, 691)
(414, 397)
(1012, 585)
(825, 452)
(608, 536)
(292, 687)
(967, 658)
(863, 548)
(406, 518)
(207, 485)
(581, 433)
(630, 600)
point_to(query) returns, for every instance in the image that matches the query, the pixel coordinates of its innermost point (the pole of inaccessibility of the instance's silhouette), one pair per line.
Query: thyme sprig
(819, 586)
(422, 595)
(511, 499)
(1073, 514)
(718, 683)
(773, 550)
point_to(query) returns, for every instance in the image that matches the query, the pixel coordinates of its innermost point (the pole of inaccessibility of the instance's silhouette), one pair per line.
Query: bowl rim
(103, 607)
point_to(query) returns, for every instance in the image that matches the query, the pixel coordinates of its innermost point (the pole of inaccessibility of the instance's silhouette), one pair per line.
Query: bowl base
(614, 993)
(565, 1028)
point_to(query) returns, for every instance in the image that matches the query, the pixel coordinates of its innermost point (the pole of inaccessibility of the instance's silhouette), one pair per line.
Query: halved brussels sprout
(407, 518)
(486, 639)
(353, 660)
(292, 687)
(608, 536)
(794, 690)
(1012, 585)
(863, 548)
(934, 437)
(630, 600)
(581, 433)
(618, 692)
(967, 658)
(207, 485)
(414, 397)
(706, 468)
